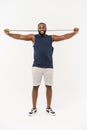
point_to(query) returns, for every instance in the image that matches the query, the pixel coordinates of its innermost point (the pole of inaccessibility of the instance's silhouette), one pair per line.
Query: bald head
(42, 23)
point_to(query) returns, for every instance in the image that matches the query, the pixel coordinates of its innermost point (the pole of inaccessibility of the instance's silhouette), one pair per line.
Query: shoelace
(51, 111)
(32, 110)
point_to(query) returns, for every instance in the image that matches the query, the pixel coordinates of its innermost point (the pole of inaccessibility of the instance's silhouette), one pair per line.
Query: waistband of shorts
(41, 67)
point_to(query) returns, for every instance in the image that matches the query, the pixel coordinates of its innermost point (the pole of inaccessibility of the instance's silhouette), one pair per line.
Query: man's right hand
(6, 31)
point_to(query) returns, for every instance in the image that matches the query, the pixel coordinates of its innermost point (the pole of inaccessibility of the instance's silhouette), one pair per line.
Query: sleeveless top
(43, 51)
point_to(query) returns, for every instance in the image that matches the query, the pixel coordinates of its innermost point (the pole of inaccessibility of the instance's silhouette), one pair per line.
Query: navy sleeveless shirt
(43, 51)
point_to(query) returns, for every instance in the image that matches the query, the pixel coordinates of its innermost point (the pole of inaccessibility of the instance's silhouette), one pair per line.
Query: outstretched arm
(65, 36)
(29, 37)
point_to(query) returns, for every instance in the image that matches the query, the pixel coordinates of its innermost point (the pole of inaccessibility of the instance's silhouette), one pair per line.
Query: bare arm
(65, 36)
(29, 37)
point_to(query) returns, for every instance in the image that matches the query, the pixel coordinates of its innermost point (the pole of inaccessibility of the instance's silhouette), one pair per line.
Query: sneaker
(50, 111)
(33, 111)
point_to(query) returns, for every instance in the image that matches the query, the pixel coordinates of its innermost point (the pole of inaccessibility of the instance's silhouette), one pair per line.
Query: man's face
(42, 29)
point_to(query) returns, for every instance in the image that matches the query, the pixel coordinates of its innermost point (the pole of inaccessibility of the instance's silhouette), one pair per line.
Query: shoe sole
(51, 114)
(32, 114)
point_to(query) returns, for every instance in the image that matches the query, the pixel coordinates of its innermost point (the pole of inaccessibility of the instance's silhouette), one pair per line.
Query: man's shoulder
(49, 36)
(39, 35)
(36, 34)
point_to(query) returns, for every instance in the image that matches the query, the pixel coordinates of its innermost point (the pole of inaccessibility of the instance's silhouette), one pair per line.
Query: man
(43, 61)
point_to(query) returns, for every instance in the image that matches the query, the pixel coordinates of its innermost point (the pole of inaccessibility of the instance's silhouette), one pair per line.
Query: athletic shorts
(38, 73)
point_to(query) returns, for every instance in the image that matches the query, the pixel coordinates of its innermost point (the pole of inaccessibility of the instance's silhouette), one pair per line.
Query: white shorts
(38, 73)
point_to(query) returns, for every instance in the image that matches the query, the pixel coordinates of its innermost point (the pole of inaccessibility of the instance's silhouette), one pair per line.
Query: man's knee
(35, 87)
(48, 86)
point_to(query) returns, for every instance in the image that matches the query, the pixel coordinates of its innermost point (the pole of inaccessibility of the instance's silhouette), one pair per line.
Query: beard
(42, 33)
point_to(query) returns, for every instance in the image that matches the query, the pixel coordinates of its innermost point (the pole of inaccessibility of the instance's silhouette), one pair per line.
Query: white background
(70, 66)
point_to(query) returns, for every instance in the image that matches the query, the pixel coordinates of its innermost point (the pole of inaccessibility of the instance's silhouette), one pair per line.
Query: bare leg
(34, 95)
(48, 95)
